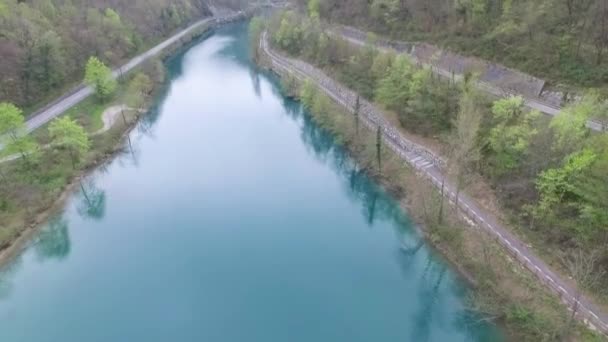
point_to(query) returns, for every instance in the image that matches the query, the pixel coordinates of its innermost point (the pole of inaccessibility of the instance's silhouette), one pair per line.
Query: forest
(45, 44)
(549, 175)
(562, 41)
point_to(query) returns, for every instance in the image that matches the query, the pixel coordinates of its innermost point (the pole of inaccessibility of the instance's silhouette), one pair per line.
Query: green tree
(570, 125)
(381, 66)
(256, 26)
(308, 93)
(393, 90)
(313, 9)
(13, 134)
(289, 34)
(68, 135)
(99, 76)
(138, 90)
(431, 105)
(510, 138)
(560, 191)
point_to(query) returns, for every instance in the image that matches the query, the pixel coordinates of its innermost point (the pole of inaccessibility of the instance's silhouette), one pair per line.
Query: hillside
(563, 41)
(44, 44)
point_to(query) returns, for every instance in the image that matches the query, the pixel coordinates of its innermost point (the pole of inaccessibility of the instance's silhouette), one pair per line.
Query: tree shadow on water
(53, 242)
(92, 202)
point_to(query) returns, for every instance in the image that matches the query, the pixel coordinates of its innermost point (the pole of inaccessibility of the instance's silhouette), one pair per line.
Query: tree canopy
(67, 134)
(99, 76)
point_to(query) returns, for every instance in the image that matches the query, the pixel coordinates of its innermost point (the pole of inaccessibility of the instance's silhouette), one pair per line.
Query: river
(232, 218)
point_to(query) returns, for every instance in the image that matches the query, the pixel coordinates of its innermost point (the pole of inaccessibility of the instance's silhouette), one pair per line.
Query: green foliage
(432, 104)
(570, 125)
(308, 94)
(517, 148)
(559, 40)
(256, 26)
(99, 76)
(68, 135)
(138, 90)
(313, 9)
(463, 141)
(393, 90)
(424, 104)
(45, 44)
(289, 34)
(510, 138)
(11, 120)
(561, 192)
(381, 66)
(13, 134)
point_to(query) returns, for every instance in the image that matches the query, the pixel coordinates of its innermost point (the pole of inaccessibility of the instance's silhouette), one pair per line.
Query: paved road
(82, 92)
(431, 167)
(536, 104)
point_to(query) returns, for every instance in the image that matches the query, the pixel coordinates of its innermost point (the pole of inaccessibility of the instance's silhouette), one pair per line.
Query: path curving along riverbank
(430, 166)
(81, 92)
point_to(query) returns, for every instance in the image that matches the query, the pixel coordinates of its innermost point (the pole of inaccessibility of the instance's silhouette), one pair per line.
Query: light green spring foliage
(560, 190)
(313, 9)
(289, 34)
(381, 66)
(11, 120)
(510, 138)
(12, 132)
(321, 104)
(393, 90)
(464, 138)
(570, 125)
(138, 90)
(308, 93)
(69, 135)
(256, 26)
(99, 76)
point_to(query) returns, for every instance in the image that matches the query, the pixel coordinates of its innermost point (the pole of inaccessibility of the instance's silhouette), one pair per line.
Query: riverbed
(232, 217)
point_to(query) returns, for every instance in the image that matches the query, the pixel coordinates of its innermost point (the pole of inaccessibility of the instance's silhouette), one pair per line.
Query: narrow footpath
(532, 103)
(430, 166)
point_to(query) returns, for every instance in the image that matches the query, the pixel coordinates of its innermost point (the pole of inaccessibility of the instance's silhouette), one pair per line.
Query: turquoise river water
(233, 218)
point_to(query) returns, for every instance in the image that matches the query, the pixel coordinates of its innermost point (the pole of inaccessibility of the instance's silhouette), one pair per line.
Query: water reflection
(53, 241)
(377, 205)
(92, 202)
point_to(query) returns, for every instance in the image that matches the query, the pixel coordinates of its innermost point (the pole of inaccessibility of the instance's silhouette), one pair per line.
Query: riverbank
(508, 293)
(21, 222)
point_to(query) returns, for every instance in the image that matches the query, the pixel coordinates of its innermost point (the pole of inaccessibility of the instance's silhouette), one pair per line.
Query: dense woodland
(45, 44)
(550, 175)
(560, 40)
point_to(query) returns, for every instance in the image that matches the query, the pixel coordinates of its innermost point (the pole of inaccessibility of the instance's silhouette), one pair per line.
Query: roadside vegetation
(563, 41)
(504, 293)
(45, 44)
(549, 176)
(43, 164)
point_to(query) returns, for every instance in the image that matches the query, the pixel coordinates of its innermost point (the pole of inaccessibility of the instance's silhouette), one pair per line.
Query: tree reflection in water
(92, 203)
(53, 242)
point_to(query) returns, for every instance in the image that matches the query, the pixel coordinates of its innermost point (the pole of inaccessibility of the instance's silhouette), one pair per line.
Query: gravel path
(109, 117)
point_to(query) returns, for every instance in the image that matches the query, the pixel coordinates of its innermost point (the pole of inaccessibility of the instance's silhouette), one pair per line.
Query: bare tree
(583, 268)
(464, 146)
